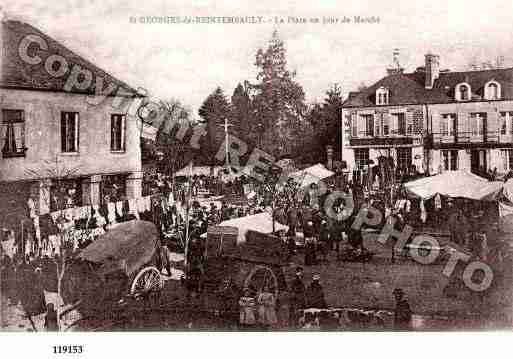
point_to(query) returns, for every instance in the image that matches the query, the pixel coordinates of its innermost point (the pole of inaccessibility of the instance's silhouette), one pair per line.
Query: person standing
(403, 313)
(315, 294)
(297, 297)
(267, 308)
(247, 310)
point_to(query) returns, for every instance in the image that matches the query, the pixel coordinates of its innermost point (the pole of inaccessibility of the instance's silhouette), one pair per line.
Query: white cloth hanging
(438, 201)
(111, 212)
(423, 213)
(119, 208)
(132, 207)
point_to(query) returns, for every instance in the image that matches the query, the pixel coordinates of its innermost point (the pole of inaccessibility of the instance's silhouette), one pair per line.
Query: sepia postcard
(334, 166)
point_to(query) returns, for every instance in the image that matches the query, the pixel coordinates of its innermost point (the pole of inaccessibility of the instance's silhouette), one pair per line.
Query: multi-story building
(434, 119)
(53, 125)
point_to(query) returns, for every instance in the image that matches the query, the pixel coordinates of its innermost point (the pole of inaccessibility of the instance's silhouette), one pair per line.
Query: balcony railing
(393, 138)
(489, 137)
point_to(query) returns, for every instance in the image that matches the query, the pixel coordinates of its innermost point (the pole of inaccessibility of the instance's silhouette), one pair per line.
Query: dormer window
(462, 92)
(382, 96)
(492, 90)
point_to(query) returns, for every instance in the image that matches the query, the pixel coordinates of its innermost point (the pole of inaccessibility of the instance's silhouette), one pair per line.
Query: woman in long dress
(247, 310)
(267, 308)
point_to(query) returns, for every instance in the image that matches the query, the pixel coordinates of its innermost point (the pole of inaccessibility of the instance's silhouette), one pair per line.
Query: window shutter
(77, 131)
(122, 139)
(409, 122)
(63, 132)
(112, 132)
(18, 136)
(492, 127)
(354, 125)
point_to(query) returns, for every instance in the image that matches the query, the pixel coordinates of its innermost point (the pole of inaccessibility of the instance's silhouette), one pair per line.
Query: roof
(409, 88)
(18, 74)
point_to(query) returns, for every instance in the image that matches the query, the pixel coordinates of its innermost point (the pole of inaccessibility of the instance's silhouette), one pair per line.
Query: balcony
(394, 138)
(470, 139)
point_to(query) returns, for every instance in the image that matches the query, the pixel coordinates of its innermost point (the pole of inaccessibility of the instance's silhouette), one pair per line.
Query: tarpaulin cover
(261, 222)
(128, 246)
(318, 171)
(455, 184)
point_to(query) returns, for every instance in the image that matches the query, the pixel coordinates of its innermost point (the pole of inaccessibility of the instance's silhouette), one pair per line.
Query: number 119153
(67, 349)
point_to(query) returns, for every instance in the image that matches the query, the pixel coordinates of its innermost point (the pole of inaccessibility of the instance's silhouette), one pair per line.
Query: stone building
(65, 127)
(433, 119)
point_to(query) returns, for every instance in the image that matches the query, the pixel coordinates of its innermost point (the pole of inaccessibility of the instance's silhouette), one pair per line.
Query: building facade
(58, 135)
(435, 120)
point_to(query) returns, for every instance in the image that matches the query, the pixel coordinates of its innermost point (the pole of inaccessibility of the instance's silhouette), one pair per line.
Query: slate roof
(408, 88)
(16, 73)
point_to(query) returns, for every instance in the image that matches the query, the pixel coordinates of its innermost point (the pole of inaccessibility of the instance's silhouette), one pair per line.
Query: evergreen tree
(241, 116)
(214, 110)
(280, 101)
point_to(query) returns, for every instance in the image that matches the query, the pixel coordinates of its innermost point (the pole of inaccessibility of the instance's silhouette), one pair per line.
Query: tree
(280, 101)
(173, 153)
(241, 116)
(214, 110)
(325, 123)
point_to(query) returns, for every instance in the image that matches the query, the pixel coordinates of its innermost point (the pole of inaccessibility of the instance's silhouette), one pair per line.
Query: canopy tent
(455, 184)
(317, 170)
(312, 174)
(261, 222)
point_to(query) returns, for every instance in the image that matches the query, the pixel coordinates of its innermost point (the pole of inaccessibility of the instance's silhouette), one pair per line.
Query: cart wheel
(146, 281)
(258, 278)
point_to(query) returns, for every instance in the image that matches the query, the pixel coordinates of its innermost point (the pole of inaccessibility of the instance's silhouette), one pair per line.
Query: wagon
(123, 262)
(245, 251)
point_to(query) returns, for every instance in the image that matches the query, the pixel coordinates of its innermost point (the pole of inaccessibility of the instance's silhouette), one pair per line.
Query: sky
(188, 61)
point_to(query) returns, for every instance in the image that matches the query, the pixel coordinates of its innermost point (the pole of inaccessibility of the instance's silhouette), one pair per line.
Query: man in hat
(403, 314)
(297, 296)
(315, 294)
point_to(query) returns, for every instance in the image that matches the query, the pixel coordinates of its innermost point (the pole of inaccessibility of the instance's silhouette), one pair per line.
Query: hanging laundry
(111, 212)
(407, 206)
(119, 208)
(423, 213)
(132, 208)
(438, 201)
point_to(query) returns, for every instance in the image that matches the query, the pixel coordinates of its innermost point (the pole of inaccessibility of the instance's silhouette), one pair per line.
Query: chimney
(432, 69)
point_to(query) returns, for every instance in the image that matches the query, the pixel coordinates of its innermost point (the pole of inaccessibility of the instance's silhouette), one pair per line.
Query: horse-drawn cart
(246, 253)
(123, 262)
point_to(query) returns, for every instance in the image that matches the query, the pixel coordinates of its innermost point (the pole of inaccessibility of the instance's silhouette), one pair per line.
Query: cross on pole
(226, 125)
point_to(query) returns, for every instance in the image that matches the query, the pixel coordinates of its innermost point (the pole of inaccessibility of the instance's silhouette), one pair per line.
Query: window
(117, 132)
(477, 123)
(13, 133)
(69, 131)
(382, 96)
(354, 127)
(448, 125)
(368, 120)
(361, 156)
(503, 122)
(450, 160)
(386, 126)
(507, 160)
(404, 158)
(492, 90)
(400, 122)
(462, 92)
